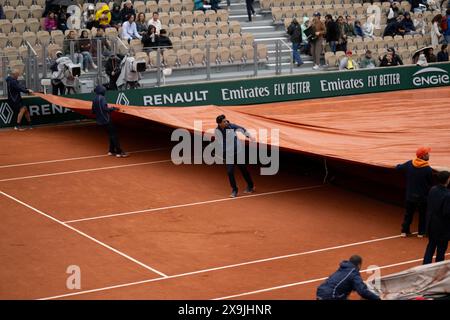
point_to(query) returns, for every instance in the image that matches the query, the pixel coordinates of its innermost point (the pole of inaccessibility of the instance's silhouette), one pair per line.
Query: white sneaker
(94, 66)
(316, 67)
(420, 236)
(403, 235)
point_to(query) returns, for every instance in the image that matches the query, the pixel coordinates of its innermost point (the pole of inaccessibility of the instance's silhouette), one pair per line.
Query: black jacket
(295, 32)
(438, 213)
(14, 90)
(333, 33)
(223, 136)
(164, 42)
(341, 283)
(150, 41)
(127, 12)
(100, 107)
(418, 180)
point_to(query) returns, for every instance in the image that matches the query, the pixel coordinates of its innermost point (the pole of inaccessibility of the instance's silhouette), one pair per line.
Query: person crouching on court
(226, 133)
(438, 216)
(347, 278)
(419, 180)
(103, 117)
(15, 99)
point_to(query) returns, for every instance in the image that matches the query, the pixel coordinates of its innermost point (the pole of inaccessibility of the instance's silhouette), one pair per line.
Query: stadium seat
(23, 12)
(9, 12)
(211, 28)
(199, 16)
(262, 52)
(237, 55)
(200, 42)
(164, 18)
(43, 37)
(224, 40)
(223, 55)
(164, 6)
(235, 27)
(199, 29)
(222, 15)
(5, 26)
(248, 38)
(188, 42)
(211, 16)
(188, 29)
(29, 37)
(223, 27)
(212, 40)
(249, 52)
(176, 6)
(184, 57)
(15, 39)
(188, 5)
(17, 65)
(33, 24)
(19, 25)
(198, 57)
(37, 11)
(151, 6)
(176, 43)
(3, 40)
(235, 39)
(175, 17)
(188, 17)
(139, 6)
(175, 30)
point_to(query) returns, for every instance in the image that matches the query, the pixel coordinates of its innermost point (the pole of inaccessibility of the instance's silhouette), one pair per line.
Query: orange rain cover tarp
(381, 129)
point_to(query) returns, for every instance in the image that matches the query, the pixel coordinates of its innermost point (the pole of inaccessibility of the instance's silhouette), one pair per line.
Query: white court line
(85, 235)
(77, 158)
(85, 170)
(310, 281)
(219, 268)
(192, 204)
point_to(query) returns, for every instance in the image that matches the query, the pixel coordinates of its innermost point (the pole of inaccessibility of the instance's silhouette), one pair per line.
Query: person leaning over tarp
(438, 219)
(346, 279)
(103, 117)
(15, 98)
(419, 180)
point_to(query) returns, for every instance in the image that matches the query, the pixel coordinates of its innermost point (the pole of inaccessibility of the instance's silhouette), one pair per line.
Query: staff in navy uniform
(15, 99)
(345, 280)
(227, 132)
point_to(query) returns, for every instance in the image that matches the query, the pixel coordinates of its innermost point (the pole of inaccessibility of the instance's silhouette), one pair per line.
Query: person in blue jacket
(419, 179)
(346, 279)
(225, 133)
(15, 99)
(103, 117)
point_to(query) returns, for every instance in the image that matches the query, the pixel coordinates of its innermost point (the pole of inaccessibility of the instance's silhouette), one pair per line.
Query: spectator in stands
(85, 48)
(50, 23)
(2, 13)
(62, 21)
(420, 60)
(349, 27)
(429, 54)
(15, 98)
(368, 28)
(367, 62)
(419, 24)
(154, 21)
(347, 278)
(394, 28)
(438, 214)
(129, 30)
(415, 4)
(103, 17)
(250, 9)
(116, 17)
(332, 32)
(388, 60)
(408, 24)
(347, 62)
(358, 29)
(103, 117)
(318, 30)
(72, 38)
(393, 12)
(100, 36)
(198, 5)
(342, 42)
(141, 24)
(444, 26)
(295, 32)
(164, 41)
(127, 11)
(113, 70)
(418, 183)
(442, 55)
(150, 40)
(214, 4)
(306, 46)
(88, 17)
(435, 32)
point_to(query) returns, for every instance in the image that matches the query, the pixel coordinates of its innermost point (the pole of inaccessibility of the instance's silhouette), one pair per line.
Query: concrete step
(242, 17)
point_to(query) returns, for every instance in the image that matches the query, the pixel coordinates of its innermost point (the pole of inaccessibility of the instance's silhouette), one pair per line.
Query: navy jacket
(341, 283)
(100, 107)
(231, 132)
(14, 90)
(408, 25)
(418, 180)
(438, 213)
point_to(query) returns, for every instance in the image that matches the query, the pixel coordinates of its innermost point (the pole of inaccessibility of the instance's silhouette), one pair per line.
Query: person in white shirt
(368, 27)
(129, 30)
(419, 24)
(154, 21)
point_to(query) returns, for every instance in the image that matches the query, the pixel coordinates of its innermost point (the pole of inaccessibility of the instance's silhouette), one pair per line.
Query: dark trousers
(58, 87)
(250, 9)
(245, 174)
(114, 146)
(410, 208)
(435, 245)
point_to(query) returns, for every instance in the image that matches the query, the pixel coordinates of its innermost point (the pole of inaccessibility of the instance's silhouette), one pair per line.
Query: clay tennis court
(144, 228)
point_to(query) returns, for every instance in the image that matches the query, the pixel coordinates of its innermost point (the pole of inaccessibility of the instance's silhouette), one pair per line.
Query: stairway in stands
(265, 31)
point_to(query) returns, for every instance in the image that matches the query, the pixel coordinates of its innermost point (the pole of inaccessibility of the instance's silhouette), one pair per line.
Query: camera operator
(113, 70)
(65, 75)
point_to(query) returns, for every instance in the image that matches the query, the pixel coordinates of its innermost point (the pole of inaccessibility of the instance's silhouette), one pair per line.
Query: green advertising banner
(264, 90)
